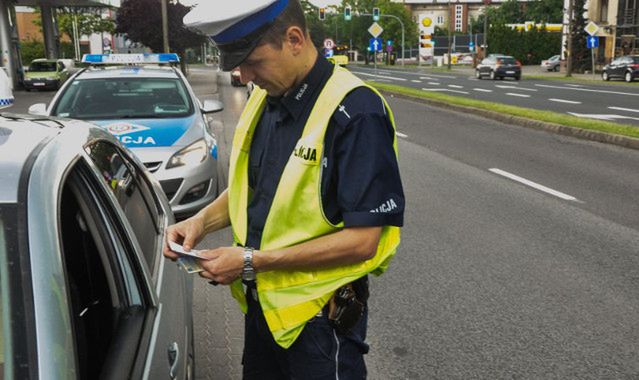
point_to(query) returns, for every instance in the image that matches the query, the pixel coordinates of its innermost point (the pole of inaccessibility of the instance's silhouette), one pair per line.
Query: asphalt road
(617, 103)
(519, 255)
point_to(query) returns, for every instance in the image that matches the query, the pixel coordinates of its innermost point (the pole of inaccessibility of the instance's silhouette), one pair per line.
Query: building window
(603, 16)
(459, 13)
(440, 20)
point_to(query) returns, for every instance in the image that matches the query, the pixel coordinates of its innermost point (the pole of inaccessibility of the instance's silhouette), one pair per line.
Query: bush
(31, 50)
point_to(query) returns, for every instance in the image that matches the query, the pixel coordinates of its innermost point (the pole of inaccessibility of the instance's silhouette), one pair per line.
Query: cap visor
(232, 59)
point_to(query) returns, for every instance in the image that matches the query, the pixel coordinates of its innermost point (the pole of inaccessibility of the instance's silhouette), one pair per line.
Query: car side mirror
(38, 109)
(212, 106)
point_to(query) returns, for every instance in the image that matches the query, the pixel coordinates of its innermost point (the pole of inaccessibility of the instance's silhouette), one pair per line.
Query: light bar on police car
(145, 58)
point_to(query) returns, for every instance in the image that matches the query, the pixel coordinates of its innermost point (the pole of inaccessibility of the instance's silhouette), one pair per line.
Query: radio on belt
(131, 59)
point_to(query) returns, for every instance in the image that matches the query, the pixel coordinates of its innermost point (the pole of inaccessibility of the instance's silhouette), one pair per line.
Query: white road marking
(564, 101)
(445, 89)
(455, 86)
(602, 116)
(379, 76)
(519, 95)
(482, 90)
(574, 85)
(416, 81)
(623, 109)
(588, 90)
(399, 134)
(517, 88)
(434, 83)
(533, 184)
(426, 78)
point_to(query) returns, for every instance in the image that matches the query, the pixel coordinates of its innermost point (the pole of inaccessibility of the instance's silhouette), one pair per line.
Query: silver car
(85, 290)
(153, 111)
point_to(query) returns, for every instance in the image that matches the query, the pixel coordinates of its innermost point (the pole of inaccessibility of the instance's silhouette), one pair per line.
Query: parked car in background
(236, 78)
(46, 74)
(551, 64)
(85, 290)
(153, 111)
(626, 68)
(498, 67)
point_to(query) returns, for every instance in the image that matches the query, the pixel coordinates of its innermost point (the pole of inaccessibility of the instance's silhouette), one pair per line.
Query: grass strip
(528, 113)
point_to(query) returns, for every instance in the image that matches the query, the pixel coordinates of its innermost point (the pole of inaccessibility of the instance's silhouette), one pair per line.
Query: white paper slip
(177, 248)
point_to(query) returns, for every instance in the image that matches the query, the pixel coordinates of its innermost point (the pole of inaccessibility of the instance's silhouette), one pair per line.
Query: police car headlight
(190, 155)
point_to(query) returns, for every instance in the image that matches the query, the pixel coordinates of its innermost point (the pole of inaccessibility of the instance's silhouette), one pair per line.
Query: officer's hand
(188, 232)
(225, 264)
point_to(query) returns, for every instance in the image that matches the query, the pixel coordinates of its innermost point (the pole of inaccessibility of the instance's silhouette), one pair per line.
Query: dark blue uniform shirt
(360, 179)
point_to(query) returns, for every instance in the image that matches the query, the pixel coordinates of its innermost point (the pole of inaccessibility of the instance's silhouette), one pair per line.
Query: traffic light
(347, 13)
(322, 14)
(375, 14)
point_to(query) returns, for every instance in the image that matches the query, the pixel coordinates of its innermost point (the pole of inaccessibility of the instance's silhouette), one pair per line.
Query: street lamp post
(450, 27)
(165, 27)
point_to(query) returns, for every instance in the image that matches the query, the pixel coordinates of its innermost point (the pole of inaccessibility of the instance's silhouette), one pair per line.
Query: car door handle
(174, 358)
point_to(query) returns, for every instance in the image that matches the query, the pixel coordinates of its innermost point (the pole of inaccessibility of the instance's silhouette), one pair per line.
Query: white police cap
(239, 27)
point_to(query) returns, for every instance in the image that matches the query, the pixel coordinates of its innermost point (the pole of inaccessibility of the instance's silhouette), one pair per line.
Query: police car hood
(151, 133)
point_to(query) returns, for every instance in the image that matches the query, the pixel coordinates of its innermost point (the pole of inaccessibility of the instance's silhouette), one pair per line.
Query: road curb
(584, 134)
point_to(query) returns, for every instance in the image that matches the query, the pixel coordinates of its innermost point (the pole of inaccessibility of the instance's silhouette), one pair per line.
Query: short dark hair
(292, 15)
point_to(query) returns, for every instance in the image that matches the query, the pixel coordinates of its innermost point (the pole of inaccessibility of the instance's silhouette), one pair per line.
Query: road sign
(329, 44)
(375, 44)
(592, 42)
(375, 30)
(328, 53)
(591, 28)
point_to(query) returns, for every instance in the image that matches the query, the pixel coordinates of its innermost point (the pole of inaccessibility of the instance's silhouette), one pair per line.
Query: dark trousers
(318, 353)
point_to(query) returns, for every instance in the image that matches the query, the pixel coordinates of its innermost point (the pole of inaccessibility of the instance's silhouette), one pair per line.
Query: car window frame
(117, 227)
(152, 201)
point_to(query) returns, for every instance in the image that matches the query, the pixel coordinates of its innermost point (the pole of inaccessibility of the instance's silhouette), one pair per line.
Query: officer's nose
(246, 74)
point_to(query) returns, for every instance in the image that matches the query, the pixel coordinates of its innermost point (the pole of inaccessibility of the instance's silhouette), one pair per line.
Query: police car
(6, 92)
(152, 110)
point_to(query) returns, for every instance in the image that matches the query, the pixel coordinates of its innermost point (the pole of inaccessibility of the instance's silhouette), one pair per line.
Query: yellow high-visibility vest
(290, 298)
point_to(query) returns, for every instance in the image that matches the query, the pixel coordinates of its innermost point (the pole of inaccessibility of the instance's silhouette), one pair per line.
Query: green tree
(545, 11)
(317, 28)
(141, 21)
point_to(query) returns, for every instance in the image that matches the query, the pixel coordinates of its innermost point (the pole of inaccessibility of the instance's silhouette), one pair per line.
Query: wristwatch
(248, 272)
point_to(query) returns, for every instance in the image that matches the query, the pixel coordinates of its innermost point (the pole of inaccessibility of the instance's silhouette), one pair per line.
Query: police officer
(314, 199)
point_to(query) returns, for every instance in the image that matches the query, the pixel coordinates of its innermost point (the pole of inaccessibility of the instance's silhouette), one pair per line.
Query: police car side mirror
(212, 106)
(38, 109)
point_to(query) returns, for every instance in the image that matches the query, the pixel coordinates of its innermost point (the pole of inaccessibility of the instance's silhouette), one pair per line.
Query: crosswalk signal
(322, 14)
(375, 14)
(347, 13)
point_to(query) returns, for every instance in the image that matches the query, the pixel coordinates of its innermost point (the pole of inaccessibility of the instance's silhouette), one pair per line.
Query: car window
(133, 193)
(635, 59)
(506, 61)
(124, 98)
(107, 295)
(42, 66)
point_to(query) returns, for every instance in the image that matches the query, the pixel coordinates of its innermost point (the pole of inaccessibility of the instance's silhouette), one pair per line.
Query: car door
(616, 67)
(144, 214)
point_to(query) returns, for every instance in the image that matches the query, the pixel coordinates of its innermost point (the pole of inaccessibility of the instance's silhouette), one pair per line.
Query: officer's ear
(296, 39)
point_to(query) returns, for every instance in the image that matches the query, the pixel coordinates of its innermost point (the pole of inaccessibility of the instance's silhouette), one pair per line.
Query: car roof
(44, 60)
(110, 72)
(21, 138)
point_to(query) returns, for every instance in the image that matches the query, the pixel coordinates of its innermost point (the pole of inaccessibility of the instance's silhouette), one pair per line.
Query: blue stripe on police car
(139, 133)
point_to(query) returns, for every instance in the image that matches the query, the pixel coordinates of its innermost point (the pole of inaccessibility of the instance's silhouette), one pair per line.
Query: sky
(213, 10)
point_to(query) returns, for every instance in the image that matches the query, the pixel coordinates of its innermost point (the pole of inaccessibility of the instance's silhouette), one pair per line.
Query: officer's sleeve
(369, 188)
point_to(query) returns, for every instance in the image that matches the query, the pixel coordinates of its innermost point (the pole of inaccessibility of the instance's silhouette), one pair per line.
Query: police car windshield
(124, 98)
